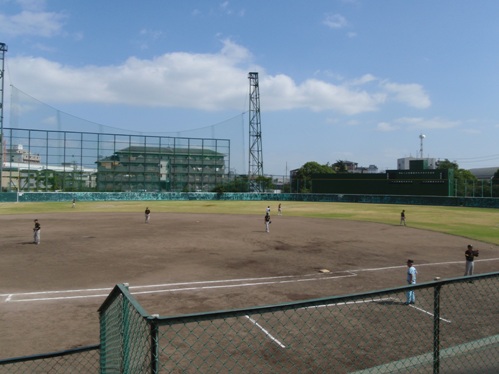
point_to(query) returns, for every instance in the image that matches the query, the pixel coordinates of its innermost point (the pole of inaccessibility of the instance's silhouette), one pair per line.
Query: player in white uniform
(411, 279)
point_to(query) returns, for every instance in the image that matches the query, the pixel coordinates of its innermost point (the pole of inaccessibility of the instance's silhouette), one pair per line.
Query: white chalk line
(13, 297)
(373, 301)
(266, 332)
(307, 278)
(280, 344)
(421, 265)
(431, 314)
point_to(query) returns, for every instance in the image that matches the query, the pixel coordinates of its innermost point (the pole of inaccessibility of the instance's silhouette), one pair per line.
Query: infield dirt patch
(50, 293)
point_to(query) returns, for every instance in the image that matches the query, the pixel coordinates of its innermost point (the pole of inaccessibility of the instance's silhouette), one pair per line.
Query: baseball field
(50, 293)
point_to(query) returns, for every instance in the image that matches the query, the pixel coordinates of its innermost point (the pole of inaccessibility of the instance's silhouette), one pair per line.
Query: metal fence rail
(78, 360)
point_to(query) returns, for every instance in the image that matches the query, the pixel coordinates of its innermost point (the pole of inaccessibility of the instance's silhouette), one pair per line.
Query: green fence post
(436, 329)
(154, 344)
(103, 340)
(125, 333)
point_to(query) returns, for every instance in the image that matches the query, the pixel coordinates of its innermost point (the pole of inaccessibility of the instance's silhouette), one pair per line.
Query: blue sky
(352, 80)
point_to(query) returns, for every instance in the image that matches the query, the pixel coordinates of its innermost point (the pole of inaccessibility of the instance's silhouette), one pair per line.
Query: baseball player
(411, 279)
(470, 255)
(267, 222)
(402, 218)
(36, 232)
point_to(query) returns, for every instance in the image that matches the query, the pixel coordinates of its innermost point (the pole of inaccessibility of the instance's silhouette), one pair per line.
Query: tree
(462, 177)
(304, 175)
(265, 183)
(238, 184)
(340, 166)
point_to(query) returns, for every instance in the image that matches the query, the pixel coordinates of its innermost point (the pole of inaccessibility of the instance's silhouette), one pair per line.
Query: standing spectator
(411, 279)
(36, 232)
(402, 218)
(267, 222)
(279, 210)
(470, 255)
(147, 214)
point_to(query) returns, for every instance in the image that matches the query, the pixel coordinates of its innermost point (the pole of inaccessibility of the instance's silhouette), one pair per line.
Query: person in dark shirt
(267, 222)
(470, 255)
(402, 218)
(36, 232)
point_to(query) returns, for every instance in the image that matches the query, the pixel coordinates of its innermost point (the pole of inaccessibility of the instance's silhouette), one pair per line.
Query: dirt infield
(50, 293)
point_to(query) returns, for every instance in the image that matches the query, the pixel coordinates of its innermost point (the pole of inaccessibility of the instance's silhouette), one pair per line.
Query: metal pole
(436, 330)
(154, 344)
(3, 49)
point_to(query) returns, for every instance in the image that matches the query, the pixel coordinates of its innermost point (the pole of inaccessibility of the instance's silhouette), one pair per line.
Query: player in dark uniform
(470, 255)
(147, 214)
(402, 218)
(36, 232)
(267, 222)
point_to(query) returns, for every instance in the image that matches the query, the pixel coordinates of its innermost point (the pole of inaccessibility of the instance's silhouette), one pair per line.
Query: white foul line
(251, 282)
(431, 314)
(265, 332)
(308, 278)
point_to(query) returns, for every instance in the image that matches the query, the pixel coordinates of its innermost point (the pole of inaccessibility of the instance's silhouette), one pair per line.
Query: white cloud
(32, 21)
(427, 123)
(335, 21)
(366, 78)
(385, 127)
(216, 81)
(34, 5)
(224, 7)
(472, 131)
(411, 94)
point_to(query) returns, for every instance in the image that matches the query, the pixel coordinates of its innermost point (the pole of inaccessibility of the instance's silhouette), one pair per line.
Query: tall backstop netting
(43, 160)
(44, 149)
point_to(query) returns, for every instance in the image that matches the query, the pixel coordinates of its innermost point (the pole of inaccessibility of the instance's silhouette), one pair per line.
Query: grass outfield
(474, 223)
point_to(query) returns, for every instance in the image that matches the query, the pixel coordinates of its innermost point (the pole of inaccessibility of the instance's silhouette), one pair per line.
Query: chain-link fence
(78, 360)
(452, 327)
(124, 334)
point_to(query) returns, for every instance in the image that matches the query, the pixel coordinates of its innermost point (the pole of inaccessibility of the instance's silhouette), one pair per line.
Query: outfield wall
(477, 202)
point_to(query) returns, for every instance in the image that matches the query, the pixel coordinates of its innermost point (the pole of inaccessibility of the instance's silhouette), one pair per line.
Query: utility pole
(255, 134)
(3, 49)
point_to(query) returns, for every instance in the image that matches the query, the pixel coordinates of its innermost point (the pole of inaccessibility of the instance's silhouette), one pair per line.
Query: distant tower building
(255, 134)
(421, 162)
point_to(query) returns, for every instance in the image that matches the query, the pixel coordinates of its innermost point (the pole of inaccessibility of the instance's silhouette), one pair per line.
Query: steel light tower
(255, 133)
(3, 49)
